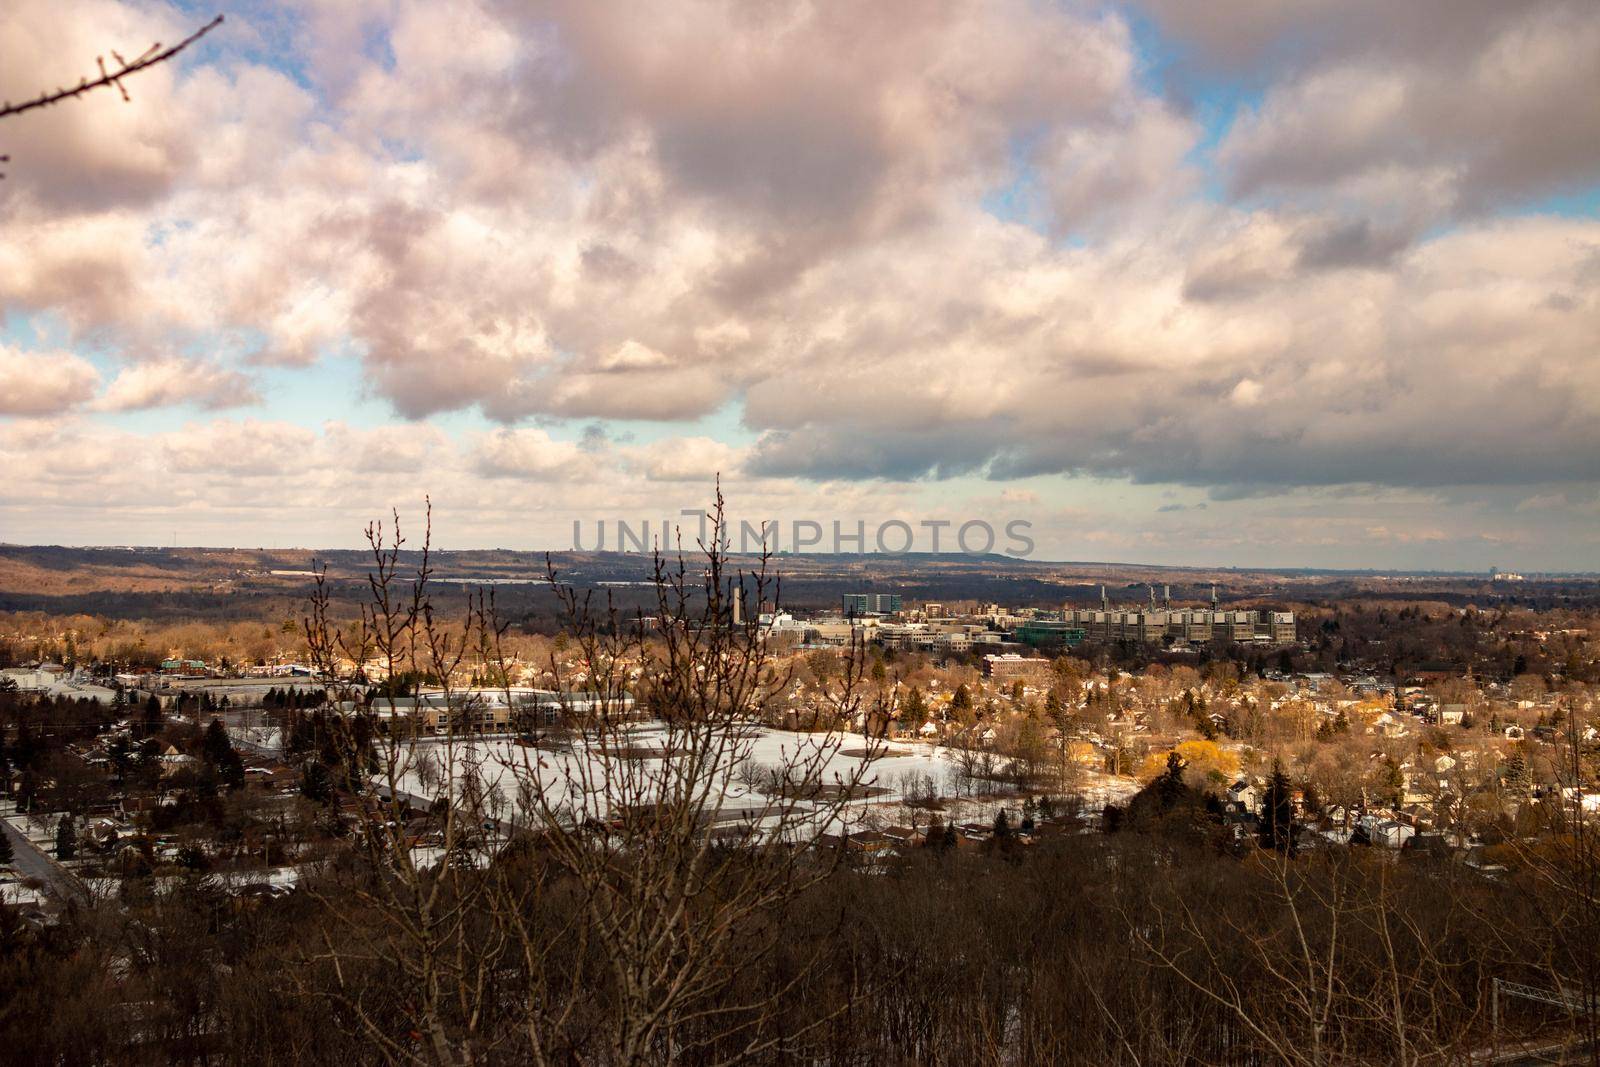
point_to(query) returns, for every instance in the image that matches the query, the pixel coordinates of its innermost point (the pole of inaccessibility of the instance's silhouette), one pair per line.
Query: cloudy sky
(1247, 282)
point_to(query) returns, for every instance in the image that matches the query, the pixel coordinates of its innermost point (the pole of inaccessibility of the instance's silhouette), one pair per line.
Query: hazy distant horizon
(874, 557)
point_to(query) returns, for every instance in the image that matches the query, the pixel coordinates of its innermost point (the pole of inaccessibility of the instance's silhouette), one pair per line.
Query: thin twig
(152, 56)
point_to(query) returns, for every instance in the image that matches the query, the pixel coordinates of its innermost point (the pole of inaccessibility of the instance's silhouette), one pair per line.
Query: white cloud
(43, 383)
(246, 448)
(529, 453)
(685, 459)
(176, 381)
(1247, 393)
(906, 241)
(1500, 108)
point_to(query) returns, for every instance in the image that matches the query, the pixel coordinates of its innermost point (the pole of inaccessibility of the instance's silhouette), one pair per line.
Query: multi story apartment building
(1010, 667)
(1156, 625)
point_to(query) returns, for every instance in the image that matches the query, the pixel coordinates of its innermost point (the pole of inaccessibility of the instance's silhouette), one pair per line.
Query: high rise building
(871, 603)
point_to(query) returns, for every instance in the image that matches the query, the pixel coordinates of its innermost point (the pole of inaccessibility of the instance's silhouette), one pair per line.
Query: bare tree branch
(151, 57)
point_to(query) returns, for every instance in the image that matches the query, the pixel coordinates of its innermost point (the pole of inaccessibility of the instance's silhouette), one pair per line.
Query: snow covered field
(577, 778)
(260, 738)
(499, 762)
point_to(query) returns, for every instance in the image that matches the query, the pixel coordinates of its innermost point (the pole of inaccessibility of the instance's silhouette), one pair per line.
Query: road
(30, 862)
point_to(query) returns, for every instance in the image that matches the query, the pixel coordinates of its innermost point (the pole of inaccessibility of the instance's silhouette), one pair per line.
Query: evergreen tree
(66, 838)
(217, 746)
(1514, 771)
(916, 708)
(26, 749)
(231, 768)
(7, 853)
(152, 716)
(1394, 782)
(316, 783)
(961, 700)
(1277, 812)
(1002, 825)
(1170, 788)
(300, 736)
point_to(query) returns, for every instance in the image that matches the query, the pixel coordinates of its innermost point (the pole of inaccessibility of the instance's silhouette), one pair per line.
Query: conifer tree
(1002, 825)
(1277, 812)
(916, 708)
(66, 838)
(218, 746)
(152, 716)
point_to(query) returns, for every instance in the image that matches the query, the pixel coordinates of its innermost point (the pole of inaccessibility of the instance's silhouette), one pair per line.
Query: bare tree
(632, 877)
(1564, 863)
(1320, 960)
(431, 902)
(676, 916)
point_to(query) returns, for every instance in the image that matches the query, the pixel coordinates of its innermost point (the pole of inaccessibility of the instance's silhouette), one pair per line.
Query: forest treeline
(1141, 947)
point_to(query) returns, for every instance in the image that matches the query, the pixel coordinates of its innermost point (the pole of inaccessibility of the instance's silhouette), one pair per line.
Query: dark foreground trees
(1126, 948)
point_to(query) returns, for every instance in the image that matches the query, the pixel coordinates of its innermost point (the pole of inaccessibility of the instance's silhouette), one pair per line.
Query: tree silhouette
(217, 746)
(1277, 812)
(66, 838)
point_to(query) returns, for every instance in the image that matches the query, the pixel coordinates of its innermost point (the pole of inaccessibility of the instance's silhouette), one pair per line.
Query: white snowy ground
(501, 763)
(261, 737)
